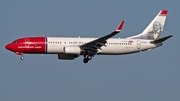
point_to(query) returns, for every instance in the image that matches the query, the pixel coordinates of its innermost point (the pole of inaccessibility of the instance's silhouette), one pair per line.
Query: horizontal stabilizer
(161, 39)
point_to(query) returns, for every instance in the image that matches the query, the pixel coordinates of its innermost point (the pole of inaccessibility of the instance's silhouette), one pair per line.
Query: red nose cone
(8, 46)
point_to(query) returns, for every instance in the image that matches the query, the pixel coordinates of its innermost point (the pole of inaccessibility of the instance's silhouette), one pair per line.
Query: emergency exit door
(138, 44)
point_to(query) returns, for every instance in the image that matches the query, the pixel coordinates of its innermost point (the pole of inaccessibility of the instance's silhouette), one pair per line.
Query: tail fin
(154, 29)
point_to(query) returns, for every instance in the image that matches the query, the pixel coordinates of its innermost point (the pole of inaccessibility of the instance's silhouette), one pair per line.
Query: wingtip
(119, 28)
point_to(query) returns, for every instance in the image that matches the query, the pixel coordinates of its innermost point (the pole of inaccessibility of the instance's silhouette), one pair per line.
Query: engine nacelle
(72, 50)
(67, 56)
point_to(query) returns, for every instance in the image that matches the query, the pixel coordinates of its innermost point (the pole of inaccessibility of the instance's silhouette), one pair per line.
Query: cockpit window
(15, 42)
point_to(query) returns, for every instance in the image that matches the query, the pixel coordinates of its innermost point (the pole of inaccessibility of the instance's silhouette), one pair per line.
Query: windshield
(15, 42)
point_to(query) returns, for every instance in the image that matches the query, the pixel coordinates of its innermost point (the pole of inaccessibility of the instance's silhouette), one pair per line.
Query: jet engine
(72, 50)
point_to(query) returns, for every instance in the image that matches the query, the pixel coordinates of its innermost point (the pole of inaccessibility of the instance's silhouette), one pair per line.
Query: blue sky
(151, 75)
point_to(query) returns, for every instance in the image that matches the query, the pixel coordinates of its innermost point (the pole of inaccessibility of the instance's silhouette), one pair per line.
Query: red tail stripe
(164, 12)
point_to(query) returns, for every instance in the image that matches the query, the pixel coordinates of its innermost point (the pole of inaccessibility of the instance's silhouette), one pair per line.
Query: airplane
(69, 48)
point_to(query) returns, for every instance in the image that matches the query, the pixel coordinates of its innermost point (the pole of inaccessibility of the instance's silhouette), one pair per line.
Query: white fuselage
(114, 46)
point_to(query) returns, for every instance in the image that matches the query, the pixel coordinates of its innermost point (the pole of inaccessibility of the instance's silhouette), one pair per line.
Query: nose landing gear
(22, 57)
(19, 53)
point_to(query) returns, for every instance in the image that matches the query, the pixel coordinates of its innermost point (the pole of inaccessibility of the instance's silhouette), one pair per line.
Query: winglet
(119, 28)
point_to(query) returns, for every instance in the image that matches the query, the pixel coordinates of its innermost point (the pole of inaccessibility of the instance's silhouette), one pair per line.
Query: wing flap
(96, 47)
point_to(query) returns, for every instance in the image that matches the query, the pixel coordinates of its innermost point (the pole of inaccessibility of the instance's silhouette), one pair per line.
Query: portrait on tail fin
(156, 32)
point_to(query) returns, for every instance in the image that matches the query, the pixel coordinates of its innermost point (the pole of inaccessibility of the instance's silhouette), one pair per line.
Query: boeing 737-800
(69, 48)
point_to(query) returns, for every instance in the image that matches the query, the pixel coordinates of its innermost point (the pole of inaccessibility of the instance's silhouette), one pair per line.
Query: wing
(94, 45)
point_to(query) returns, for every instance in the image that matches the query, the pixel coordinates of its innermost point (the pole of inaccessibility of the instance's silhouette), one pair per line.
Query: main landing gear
(87, 58)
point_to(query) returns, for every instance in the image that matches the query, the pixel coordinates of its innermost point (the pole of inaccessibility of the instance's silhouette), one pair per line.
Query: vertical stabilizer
(154, 29)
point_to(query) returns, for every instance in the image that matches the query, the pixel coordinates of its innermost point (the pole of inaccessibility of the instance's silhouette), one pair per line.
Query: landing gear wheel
(85, 60)
(89, 57)
(22, 58)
